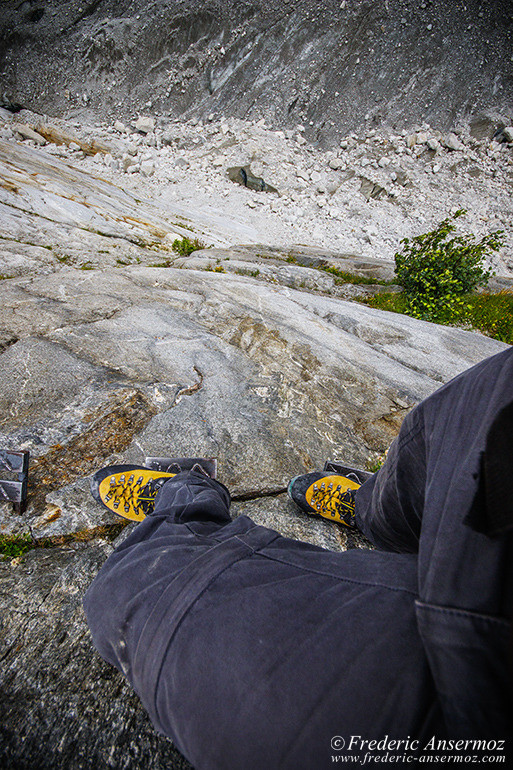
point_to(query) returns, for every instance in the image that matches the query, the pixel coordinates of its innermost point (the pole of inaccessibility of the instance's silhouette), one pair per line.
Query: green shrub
(185, 246)
(436, 272)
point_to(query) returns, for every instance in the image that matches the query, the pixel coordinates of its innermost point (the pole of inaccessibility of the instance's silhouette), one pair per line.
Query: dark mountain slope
(331, 65)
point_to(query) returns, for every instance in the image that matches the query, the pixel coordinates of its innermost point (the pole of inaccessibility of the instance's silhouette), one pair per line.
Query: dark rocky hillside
(329, 65)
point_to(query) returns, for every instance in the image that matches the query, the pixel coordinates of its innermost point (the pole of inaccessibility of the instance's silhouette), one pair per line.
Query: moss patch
(15, 546)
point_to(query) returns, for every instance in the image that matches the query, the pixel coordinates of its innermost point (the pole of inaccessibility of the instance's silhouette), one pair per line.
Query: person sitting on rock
(252, 650)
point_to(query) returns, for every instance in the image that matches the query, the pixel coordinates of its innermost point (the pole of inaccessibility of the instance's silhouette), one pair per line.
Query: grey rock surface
(113, 347)
(125, 200)
(269, 379)
(62, 706)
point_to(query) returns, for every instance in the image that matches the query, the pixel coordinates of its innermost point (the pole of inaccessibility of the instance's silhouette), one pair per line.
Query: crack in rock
(258, 494)
(188, 391)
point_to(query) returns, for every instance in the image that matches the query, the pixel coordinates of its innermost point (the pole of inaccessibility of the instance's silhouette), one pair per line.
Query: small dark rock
(7, 104)
(504, 134)
(243, 176)
(482, 127)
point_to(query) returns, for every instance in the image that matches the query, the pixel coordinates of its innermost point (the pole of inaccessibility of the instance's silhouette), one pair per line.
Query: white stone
(384, 162)
(332, 187)
(147, 168)
(452, 142)
(144, 124)
(120, 127)
(336, 164)
(28, 133)
(433, 144)
(73, 146)
(127, 161)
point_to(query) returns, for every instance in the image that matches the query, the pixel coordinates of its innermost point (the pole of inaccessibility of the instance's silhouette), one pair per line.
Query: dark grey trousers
(251, 650)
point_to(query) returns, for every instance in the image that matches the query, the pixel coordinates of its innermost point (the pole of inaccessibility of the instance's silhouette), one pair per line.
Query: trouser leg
(390, 506)
(133, 576)
(193, 496)
(419, 501)
(251, 650)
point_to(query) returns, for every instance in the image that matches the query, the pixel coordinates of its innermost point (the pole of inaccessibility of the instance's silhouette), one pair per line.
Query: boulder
(144, 124)
(504, 134)
(147, 168)
(28, 133)
(451, 142)
(482, 127)
(243, 176)
(371, 189)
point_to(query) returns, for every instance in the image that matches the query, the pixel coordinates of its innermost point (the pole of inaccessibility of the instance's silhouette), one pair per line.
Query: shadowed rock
(242, 175)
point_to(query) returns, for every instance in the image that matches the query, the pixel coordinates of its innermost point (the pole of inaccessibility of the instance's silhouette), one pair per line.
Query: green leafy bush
(435, 272)
(185, 246)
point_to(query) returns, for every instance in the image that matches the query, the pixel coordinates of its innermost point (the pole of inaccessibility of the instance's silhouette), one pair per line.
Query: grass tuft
(13, 546)
(342, 276)
(185, 246)
(489, 313)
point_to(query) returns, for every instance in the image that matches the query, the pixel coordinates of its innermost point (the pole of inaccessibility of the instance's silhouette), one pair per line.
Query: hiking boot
(198, 468)
(327, 494)
(205, 465)
(129, 490)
